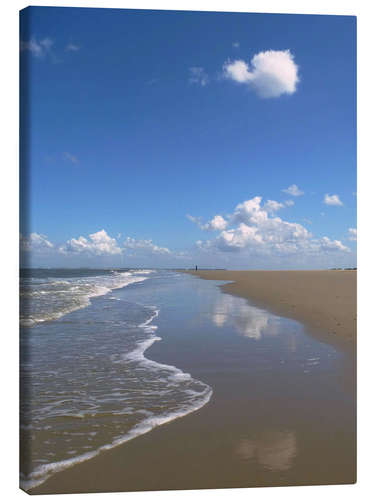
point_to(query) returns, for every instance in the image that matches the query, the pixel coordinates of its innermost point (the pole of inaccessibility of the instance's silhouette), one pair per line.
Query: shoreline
(234, 440)
(324, 301)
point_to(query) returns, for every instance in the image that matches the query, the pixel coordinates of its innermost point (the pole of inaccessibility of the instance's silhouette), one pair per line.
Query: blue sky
(183, 138)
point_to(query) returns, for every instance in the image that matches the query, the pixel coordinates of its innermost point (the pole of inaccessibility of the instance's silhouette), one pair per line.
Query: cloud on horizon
(99, 243)
(145, 246)
(252, 232)
(35, 242)
(270, 73)
(252, 229)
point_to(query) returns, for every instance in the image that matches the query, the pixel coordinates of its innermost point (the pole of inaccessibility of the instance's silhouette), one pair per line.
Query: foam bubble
(144, 271)
(43, 472)
(54, 299)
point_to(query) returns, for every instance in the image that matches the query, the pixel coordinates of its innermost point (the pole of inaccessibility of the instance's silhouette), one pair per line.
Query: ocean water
(86, 383)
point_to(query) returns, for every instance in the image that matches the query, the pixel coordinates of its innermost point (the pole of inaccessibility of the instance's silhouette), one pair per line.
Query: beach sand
(268, 430)
(324, 301)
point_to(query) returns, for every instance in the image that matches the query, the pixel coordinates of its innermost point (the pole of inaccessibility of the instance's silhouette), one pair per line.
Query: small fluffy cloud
(99, 243)
(198, 76)
(333, 200)
(270, 73)
(253, 228)
(145, 246)
(352, 234)
(289, 203)
(35, 243)
(37, 48)
(293, 190)
(218, 223)
(236, 45)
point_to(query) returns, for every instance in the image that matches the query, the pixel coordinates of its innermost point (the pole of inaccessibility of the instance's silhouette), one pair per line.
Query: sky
(175, 139)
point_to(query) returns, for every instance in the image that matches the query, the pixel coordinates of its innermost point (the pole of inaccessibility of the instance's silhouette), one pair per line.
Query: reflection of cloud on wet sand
(248, 321)
(274, 450)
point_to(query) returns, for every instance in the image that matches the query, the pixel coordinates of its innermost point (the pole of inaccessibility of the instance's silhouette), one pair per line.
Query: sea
(86, 383)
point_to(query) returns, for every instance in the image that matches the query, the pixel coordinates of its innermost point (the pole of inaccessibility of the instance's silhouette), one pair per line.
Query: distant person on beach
(196, 268)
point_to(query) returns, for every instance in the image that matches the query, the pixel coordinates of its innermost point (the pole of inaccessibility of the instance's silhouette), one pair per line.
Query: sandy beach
(324, 301)
(281, 413)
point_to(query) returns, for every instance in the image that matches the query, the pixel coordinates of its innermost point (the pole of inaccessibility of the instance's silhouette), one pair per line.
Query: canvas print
(188, 250)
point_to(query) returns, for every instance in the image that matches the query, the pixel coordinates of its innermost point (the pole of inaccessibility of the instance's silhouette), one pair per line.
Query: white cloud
(328, 244)
(333, 200)
(237, 71)
(289, 203)
(37, 48)
(145, 246)
(217, 223)
(352, 234)
(252, 229)
(272, 206)
(241, 237)
(293, 190)
(99, 243)
(198, 76)
(249, 212)
(270, 73)
(236, 44)
(35, 243)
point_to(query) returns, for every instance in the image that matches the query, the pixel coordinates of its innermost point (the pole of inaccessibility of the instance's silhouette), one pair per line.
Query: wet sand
(261, 428)
(324, 301)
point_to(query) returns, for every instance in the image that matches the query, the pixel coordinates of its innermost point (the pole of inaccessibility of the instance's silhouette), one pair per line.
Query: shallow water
(87, 385)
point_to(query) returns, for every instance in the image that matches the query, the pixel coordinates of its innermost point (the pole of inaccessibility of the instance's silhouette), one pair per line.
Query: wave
(194, 393)
(44, 472)
(51, 299)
